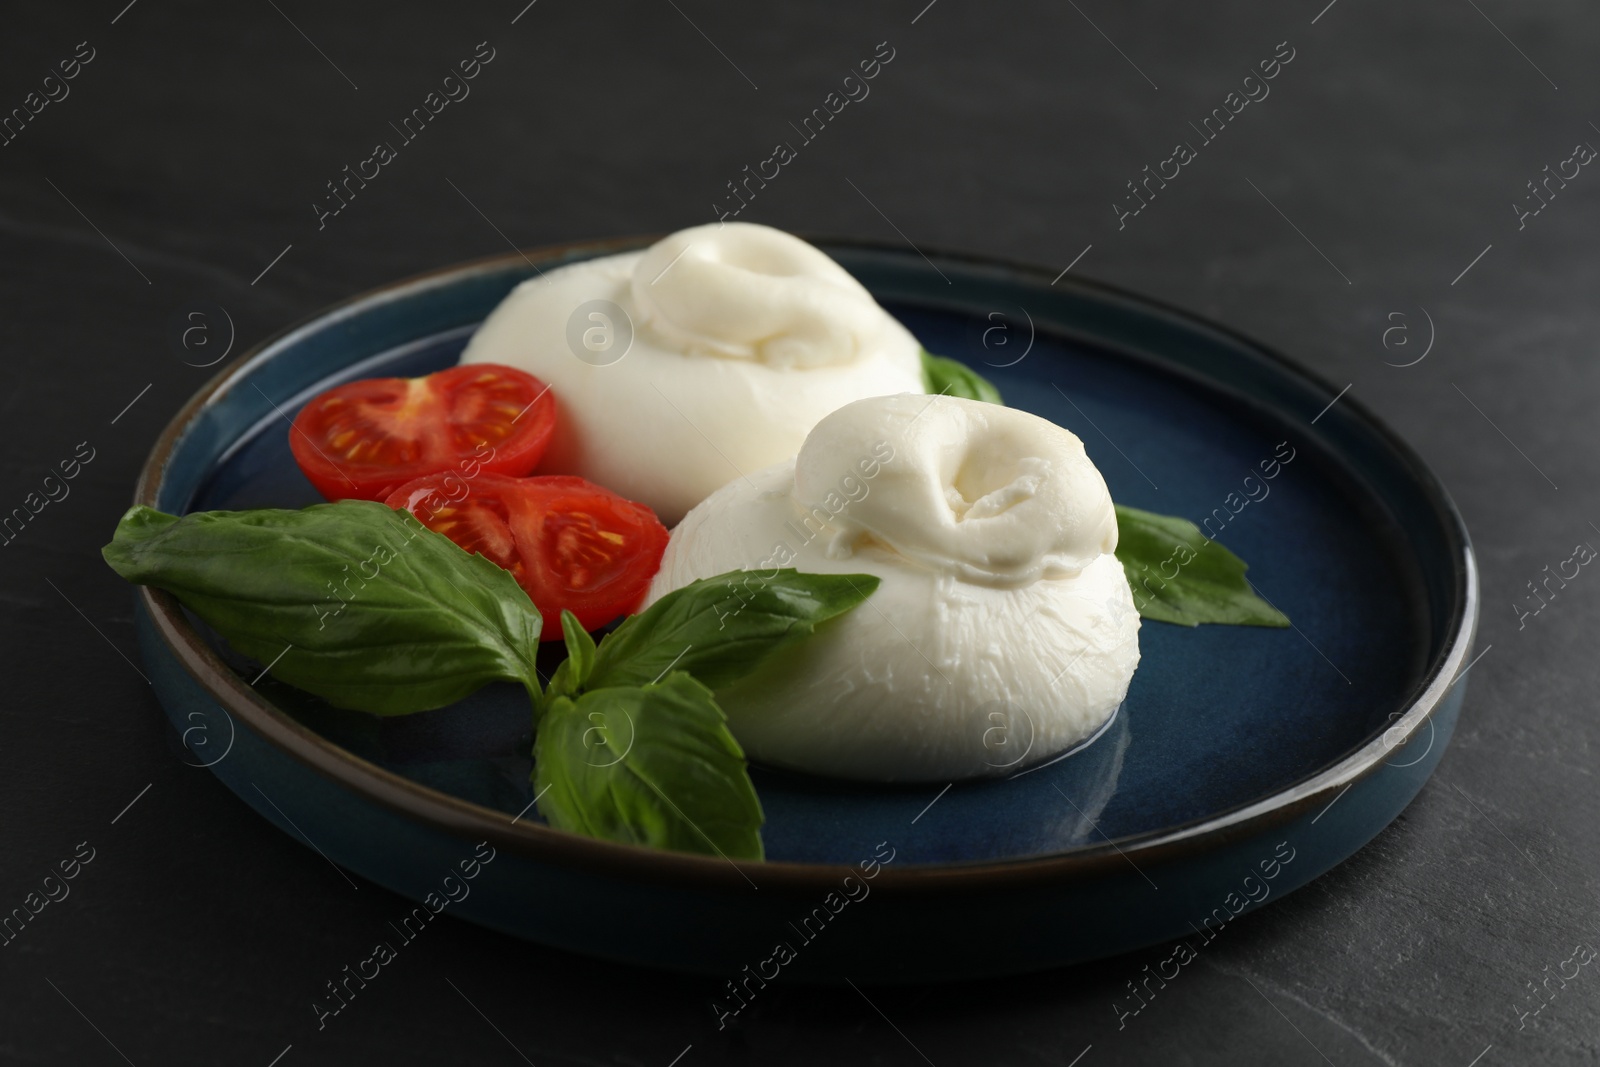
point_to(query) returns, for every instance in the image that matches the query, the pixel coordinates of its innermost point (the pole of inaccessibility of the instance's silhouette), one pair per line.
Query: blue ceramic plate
(1244, 763)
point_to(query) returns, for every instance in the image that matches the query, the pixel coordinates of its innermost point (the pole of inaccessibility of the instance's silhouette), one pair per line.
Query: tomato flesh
(366, 438)
(569, 543)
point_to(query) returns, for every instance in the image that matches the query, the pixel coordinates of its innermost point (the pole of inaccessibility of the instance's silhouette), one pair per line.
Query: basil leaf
(647, 765)
(719, 628)
(580, 649)
(1208, 583)
(954, 378)
(353, 601)
(568, 678)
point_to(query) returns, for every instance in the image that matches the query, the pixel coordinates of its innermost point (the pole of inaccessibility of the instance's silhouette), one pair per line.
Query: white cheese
(714, 354)
(1003, 630)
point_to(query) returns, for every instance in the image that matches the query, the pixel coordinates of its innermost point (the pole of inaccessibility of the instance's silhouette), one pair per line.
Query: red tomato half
(366, 438)
(571, 544)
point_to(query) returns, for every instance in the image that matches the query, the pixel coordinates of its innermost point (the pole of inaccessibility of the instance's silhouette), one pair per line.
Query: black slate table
(1373, 198)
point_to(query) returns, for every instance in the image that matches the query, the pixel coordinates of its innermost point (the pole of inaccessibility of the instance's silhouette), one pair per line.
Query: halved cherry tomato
(366, 438)
(571, 544)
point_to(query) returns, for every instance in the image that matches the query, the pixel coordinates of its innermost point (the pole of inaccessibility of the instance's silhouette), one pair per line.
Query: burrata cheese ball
(708, 356)
(1003, 630)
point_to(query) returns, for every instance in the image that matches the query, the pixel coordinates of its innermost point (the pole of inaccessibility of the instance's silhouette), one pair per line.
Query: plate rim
(542, 843)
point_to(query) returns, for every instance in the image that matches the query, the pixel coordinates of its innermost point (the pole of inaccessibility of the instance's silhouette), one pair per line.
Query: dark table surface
(1374, 190)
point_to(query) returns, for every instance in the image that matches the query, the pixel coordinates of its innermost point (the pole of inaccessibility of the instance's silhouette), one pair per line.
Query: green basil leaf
(559, 685)
(569, 677)
(719, 628)
(647, 765)
(954, 378)
(580, 650)
(354, 601)
(1208, 583)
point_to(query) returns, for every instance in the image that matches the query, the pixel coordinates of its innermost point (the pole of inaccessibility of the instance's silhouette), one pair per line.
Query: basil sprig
(363, 606)
(355, 602)
(599, 757)
(1180, 575)
(942, 375)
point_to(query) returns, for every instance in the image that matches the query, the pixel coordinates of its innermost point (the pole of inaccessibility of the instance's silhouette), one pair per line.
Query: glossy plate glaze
(1244, 763)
